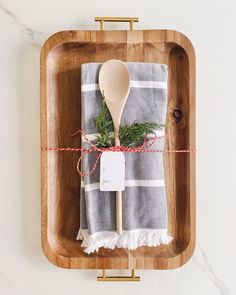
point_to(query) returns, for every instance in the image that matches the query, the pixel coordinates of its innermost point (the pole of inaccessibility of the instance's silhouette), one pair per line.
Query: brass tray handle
(105, 278)
(102, 19)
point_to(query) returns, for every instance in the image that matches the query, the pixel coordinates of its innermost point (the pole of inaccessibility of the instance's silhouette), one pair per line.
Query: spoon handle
(119, 193)
(119, 212)
(116, 136)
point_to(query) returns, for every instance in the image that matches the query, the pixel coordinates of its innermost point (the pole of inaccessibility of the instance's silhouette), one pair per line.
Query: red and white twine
(140, 149)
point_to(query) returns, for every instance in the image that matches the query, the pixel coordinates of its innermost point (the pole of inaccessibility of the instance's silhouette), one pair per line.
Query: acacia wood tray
(61, 59)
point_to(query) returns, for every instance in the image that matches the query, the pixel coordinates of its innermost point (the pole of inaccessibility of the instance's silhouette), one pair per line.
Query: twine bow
(139, 149)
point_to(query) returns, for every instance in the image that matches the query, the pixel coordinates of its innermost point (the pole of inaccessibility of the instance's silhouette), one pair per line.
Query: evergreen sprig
(130, 135)
(134, 134)
(104, 125)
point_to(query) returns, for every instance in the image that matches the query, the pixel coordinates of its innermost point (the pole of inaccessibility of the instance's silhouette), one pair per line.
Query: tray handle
(103, 19)
(131, 278)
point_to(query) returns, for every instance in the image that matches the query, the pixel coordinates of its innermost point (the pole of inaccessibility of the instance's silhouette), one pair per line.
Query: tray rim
(89, 36)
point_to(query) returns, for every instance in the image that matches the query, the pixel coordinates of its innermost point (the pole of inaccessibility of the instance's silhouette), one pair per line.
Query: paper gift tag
(112, 171)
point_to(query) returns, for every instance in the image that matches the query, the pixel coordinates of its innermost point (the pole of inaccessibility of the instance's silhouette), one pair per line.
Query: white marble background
(24, 26)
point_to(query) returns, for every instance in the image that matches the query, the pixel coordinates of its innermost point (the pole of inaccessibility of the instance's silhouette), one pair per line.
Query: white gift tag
(112, 171)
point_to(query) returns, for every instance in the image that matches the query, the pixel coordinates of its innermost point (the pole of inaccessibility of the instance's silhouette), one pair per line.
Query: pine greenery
(104, 125)
(130, 135)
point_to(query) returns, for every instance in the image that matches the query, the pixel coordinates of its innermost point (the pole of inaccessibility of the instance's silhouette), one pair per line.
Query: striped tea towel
(144, 203)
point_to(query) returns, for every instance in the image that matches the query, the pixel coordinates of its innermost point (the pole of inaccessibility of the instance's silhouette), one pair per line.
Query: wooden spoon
(114, 83)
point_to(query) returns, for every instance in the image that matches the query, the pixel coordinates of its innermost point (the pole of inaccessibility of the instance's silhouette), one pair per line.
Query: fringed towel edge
(131, 239)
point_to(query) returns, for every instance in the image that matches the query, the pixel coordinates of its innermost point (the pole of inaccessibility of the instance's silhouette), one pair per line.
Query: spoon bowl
(114, 83)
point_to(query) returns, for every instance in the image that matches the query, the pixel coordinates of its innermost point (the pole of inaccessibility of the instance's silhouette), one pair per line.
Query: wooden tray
(61, 59)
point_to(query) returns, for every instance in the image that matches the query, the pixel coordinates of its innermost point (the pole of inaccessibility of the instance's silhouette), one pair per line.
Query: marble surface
(24, 26)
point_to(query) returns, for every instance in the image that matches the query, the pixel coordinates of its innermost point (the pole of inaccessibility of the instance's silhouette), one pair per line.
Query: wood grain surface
(61, 59)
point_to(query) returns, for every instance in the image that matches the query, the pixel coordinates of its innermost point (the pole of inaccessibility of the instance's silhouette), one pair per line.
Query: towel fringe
(129, 239)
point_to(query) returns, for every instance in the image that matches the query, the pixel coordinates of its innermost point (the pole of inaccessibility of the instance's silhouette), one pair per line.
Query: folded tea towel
(144, 202)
